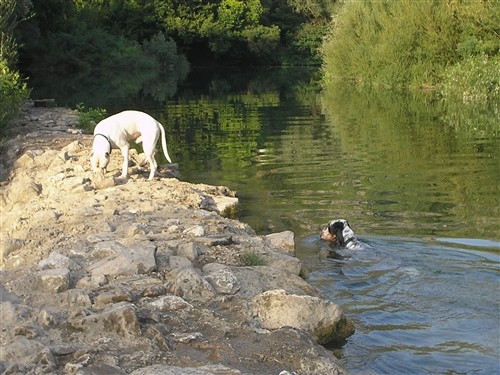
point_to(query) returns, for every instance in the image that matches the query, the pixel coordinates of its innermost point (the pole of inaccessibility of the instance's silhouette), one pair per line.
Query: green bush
(252, 259)
(89, 117)
(13, 90)
(407, 43)
(87, 49)
(13, 93)
(475, 79)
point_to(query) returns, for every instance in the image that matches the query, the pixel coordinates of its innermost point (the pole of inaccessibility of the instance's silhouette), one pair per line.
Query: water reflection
(392, 163)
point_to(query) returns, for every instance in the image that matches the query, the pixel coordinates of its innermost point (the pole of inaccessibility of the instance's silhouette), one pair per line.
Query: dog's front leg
(124, 150)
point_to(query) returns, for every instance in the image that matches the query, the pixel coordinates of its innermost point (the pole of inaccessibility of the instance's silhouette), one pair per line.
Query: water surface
(417, 180)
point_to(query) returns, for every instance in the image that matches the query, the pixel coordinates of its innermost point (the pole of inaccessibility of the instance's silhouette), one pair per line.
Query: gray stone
(99, 369)
(54, 280)
(283, 242)
(323, 319)
(176, 261)
(100, 237)
(174, 370)
(188, 250)
(126, 260)
(120, 319)
(170, 303)
(20, 349)
(189, 284)
(282, 261)
(91, 282)
(224, 281)
(113, 296)
(195, 231)
(74, 298)
(57, 260)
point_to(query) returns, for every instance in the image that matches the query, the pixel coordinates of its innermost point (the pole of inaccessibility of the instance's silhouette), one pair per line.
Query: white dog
(116, 131)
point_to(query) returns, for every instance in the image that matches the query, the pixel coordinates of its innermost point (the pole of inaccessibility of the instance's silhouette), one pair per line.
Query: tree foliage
(76, 35)
(13, 90)
(409, 43)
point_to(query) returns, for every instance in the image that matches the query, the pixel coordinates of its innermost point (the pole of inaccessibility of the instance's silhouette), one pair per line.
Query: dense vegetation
(13, 91)
(76, 35)
(451, 44)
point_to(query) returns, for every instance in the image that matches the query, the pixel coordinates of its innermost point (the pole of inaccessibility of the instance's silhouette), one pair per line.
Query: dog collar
(107, 139)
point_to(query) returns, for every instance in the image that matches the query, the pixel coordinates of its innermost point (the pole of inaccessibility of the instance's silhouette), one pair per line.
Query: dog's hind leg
(124, 151)
(149, 156)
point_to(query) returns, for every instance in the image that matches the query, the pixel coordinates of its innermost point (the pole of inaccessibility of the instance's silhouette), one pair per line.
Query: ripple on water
(419, 306)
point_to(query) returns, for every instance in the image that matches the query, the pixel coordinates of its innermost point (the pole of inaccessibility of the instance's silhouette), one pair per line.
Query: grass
(252, 259)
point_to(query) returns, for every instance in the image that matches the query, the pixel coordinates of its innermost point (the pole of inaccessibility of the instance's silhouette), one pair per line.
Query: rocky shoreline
(143, 277)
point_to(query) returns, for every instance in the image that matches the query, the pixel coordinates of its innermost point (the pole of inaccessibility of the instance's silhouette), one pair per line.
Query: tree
(13, 90)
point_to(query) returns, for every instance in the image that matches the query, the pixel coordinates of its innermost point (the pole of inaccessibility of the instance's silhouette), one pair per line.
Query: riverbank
(117, 277)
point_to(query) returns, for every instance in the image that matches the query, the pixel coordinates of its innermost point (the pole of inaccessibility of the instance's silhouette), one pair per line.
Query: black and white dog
(339, 233)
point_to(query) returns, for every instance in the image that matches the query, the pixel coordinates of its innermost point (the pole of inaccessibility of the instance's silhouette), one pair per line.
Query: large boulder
(323, 319)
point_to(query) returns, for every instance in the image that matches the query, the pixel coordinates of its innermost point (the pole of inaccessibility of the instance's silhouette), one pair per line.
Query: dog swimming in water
(339, 233)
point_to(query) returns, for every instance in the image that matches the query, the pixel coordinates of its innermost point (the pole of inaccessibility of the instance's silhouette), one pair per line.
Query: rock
(174, 370)
(126, 260)
(323, 319)
(54, 280)
(282, 261)
(170, 303)
(188, 250)
(255, 280)
(283, 242)
(74, 147)
(100, 369)
(21, 350)
(221, 204)
(56, 260)
(74, 299)
(24, 192)
(195, 231)
(178, 262)
(8, 245)
(92, 282)
(100, 181)
(113, 296)
(119, 319)
(224, 281)
(45, 103)
(187, 283)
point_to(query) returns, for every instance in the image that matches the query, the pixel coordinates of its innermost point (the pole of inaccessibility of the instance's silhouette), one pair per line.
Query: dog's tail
(164, 142)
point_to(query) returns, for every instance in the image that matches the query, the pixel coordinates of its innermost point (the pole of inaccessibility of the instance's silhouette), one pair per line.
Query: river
(416, 178)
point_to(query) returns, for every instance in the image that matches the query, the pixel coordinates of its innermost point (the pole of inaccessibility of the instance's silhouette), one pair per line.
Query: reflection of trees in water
(434, 158)
(109, 88)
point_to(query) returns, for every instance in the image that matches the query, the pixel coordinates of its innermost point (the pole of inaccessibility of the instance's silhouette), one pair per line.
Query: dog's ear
(336, 229)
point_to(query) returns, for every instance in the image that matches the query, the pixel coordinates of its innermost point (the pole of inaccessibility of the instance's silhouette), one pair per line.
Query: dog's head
(101, 151)
(338, 232)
